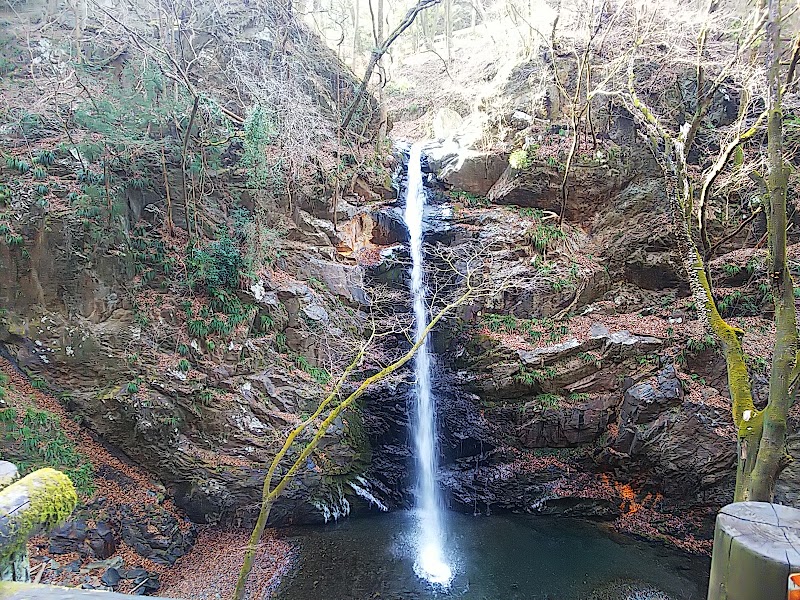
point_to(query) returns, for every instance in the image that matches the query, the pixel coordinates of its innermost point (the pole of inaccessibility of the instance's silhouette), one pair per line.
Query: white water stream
(430, 563)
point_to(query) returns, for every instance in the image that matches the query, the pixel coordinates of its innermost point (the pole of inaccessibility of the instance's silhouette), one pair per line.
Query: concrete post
(756, 548)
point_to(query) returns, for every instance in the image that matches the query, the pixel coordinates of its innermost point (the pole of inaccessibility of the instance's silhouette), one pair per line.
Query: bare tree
(464, 280)
(379, 51)
(761, 433)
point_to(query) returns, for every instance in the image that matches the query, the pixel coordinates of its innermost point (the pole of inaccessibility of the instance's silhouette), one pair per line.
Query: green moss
(7, 480)
(51, 499)
(356, 437)
(519, 160)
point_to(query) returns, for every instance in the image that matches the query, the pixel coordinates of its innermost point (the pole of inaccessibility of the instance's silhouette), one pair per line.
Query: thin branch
(378, 52)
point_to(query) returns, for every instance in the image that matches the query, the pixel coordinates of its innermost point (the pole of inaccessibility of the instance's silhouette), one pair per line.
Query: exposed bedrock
(623, 397)
(552, 397)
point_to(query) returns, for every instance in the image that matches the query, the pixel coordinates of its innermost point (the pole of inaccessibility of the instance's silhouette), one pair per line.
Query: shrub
(519, 159)
(548, 400)
(37, 440)
(217, 266)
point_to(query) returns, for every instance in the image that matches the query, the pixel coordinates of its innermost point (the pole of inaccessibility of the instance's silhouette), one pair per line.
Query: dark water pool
(503, 557)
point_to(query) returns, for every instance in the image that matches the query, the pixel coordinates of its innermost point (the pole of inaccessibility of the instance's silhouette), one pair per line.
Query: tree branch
(378, 52)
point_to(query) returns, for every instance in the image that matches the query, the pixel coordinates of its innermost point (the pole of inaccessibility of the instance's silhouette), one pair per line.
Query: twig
(742, 225)
(183, 164)
(138, 585)
(378, 52)
(43, 566)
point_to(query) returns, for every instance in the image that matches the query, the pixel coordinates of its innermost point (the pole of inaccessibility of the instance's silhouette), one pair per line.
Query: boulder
(156, 534)
(101, 540)
(111, 578)
(591, 187)
(644, 402)
(685, 447)
(69, 537)
(568, 426)
(464, 169)
(345, 281)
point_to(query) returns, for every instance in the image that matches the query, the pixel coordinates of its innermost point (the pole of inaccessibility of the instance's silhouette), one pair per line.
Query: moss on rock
(38, 501)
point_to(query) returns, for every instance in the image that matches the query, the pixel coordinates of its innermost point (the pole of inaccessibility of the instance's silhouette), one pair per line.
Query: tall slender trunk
(771, 448)
(448, 29)
(384, 114)
(356, 40)
(81, 15)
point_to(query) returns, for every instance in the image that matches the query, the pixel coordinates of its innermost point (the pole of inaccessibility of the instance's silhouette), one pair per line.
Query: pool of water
(502, 557)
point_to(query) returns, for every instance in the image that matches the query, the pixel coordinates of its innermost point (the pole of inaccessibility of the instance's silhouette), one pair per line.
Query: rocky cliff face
(189, 318)
(593, 390)
(185, 292)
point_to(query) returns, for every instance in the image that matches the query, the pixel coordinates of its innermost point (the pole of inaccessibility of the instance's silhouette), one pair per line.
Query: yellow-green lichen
(51, 498)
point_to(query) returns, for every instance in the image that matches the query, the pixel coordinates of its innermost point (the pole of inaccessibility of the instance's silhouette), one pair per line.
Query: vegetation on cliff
(203, 255)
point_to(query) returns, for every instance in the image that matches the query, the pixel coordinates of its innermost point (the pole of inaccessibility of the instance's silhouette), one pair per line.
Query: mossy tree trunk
(760, 484)
(761, 433)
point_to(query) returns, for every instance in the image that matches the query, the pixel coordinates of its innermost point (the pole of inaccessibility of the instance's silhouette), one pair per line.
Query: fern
(548, 400)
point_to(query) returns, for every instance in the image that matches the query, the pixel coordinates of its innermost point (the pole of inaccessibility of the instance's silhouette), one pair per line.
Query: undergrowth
(34, 439)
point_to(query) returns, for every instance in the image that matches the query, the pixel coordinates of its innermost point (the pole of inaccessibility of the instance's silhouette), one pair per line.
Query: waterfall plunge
(430, 563)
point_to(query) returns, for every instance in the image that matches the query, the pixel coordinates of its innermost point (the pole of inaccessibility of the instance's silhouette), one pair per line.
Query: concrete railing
(29, 591)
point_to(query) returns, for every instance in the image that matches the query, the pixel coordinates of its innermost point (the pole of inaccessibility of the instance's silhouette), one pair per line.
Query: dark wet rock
(464, 169)
(635, 237)
(69, 537)
(593, 184)
(386, 424)
(644, 402)
(577, 506)
(111, 577)
(153, 583)
(485, 484)
(389, 227)
(144, 583)
(137, 574)
(465, 430)
(157, 535)
(567, 426)
(73, 567)
(101, 540)
(686, 448)
(492, 372)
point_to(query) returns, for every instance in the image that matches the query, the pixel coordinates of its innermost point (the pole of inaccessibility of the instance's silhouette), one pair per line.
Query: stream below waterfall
(502, 557)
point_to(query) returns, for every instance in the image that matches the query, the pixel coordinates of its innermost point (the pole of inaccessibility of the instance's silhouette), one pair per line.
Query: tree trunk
(379, 51)
(356, 41)
(448, 29)
(474, 21)
(384, 115)
(771, 448)
(81, 14)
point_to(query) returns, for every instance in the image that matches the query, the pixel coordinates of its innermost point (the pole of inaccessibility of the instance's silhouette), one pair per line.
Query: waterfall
(430, 563)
